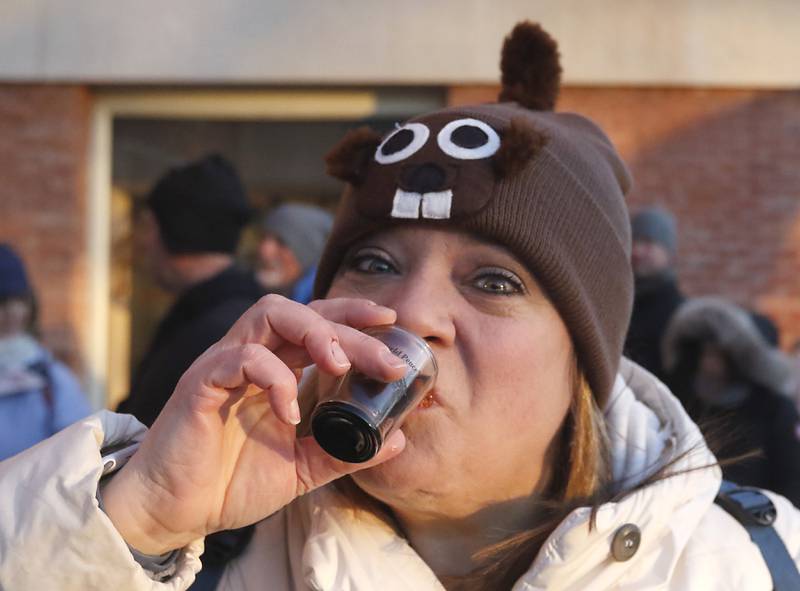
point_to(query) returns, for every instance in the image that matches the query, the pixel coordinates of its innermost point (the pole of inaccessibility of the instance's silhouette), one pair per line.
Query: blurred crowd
(189, 235)
(722, 360)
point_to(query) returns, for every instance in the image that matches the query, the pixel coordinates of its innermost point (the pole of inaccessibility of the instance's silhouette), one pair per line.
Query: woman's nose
(422, 307)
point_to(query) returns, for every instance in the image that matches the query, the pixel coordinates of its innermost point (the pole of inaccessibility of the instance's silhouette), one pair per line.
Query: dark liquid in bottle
(353, 427)
(361, 411)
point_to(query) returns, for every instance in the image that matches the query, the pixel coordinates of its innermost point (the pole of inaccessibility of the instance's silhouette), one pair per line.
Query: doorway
(277, 140)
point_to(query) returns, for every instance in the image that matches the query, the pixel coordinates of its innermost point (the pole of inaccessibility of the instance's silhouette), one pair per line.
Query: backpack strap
(221, 548)
(756, 512)
(42, 368)
(208, 578)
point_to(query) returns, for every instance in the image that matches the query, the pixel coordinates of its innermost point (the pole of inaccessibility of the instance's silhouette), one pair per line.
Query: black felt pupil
(469, 137)
(397, 142)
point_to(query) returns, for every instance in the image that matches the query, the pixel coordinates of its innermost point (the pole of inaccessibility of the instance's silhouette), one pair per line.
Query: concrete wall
(641, 42)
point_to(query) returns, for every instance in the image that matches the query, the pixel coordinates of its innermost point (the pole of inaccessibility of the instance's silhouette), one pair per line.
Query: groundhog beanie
(548, 186)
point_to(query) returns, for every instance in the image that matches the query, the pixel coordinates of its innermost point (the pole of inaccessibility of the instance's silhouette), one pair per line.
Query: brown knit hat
(548, 186)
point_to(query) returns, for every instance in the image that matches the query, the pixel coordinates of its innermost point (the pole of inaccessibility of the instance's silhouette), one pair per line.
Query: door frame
(190, 103)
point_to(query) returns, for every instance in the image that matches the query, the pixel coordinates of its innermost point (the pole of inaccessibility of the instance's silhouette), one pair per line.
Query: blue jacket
(303, 290)
(30, 414)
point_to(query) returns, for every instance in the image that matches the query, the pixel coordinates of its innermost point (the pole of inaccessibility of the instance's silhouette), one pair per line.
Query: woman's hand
(223, 452)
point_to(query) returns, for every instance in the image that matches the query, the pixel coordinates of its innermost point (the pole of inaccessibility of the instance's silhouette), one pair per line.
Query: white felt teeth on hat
(435, 205)
(405, 205)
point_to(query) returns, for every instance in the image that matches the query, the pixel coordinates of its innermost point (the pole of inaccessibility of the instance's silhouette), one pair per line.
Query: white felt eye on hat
(468, 139)
(402, 143)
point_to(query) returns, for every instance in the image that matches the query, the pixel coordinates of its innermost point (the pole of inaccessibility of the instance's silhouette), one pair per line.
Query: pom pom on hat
(531, 71)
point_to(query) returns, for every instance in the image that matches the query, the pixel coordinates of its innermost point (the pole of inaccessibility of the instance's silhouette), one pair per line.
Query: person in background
(39, 395)
(293, 236)
(194, 217)
(794, 353)
(730, 378)
(656, 291)
(767, 327)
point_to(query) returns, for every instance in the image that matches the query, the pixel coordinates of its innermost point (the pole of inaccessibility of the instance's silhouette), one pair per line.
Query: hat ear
(347, 160)
(520, 144)
(531, 72)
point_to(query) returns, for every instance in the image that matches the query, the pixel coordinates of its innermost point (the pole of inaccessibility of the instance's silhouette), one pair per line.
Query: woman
(499, 234)
(726, 373)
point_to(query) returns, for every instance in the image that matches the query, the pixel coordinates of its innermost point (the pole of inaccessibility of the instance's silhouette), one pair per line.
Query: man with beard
(292, 238)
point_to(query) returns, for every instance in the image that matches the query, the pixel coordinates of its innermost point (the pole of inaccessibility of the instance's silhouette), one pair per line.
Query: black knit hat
(548, 186)
(200, 207)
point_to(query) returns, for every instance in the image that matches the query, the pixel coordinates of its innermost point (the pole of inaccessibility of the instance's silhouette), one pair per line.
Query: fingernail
(392, 359)
(294, 413)
(339, 355)
(371, 303)
(396, 441)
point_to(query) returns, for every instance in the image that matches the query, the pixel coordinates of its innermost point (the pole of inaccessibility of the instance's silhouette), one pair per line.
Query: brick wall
(43, 151)
(727, 163)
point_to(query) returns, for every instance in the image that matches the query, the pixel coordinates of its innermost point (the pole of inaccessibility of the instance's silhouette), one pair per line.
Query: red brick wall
(727, 163)
(44, 131)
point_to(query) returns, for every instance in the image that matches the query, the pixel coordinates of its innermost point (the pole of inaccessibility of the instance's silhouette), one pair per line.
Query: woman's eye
(371, 264)
(499, 283)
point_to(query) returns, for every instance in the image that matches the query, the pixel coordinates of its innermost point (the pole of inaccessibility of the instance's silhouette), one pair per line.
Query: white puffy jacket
(53, 536)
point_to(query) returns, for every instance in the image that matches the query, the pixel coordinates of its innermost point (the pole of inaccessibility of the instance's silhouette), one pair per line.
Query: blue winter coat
(29, 415)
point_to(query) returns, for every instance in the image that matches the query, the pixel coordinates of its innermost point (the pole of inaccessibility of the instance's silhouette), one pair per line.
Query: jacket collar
(647, 427)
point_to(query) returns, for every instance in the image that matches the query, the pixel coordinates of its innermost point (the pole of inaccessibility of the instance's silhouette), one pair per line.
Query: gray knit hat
(303, 228)
(656, 224)
(549, 187)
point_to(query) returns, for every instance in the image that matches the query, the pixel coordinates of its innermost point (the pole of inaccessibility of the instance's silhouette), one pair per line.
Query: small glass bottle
(358, 413)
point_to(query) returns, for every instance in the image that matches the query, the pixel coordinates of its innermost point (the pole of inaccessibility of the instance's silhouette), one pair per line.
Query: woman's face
(15, 316)
(713, 381)
(505, 369)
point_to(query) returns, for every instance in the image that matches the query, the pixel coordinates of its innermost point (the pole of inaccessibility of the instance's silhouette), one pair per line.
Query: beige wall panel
(680, 42)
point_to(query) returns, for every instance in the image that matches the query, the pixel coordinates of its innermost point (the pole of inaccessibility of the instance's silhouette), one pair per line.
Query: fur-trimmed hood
(734, 331)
